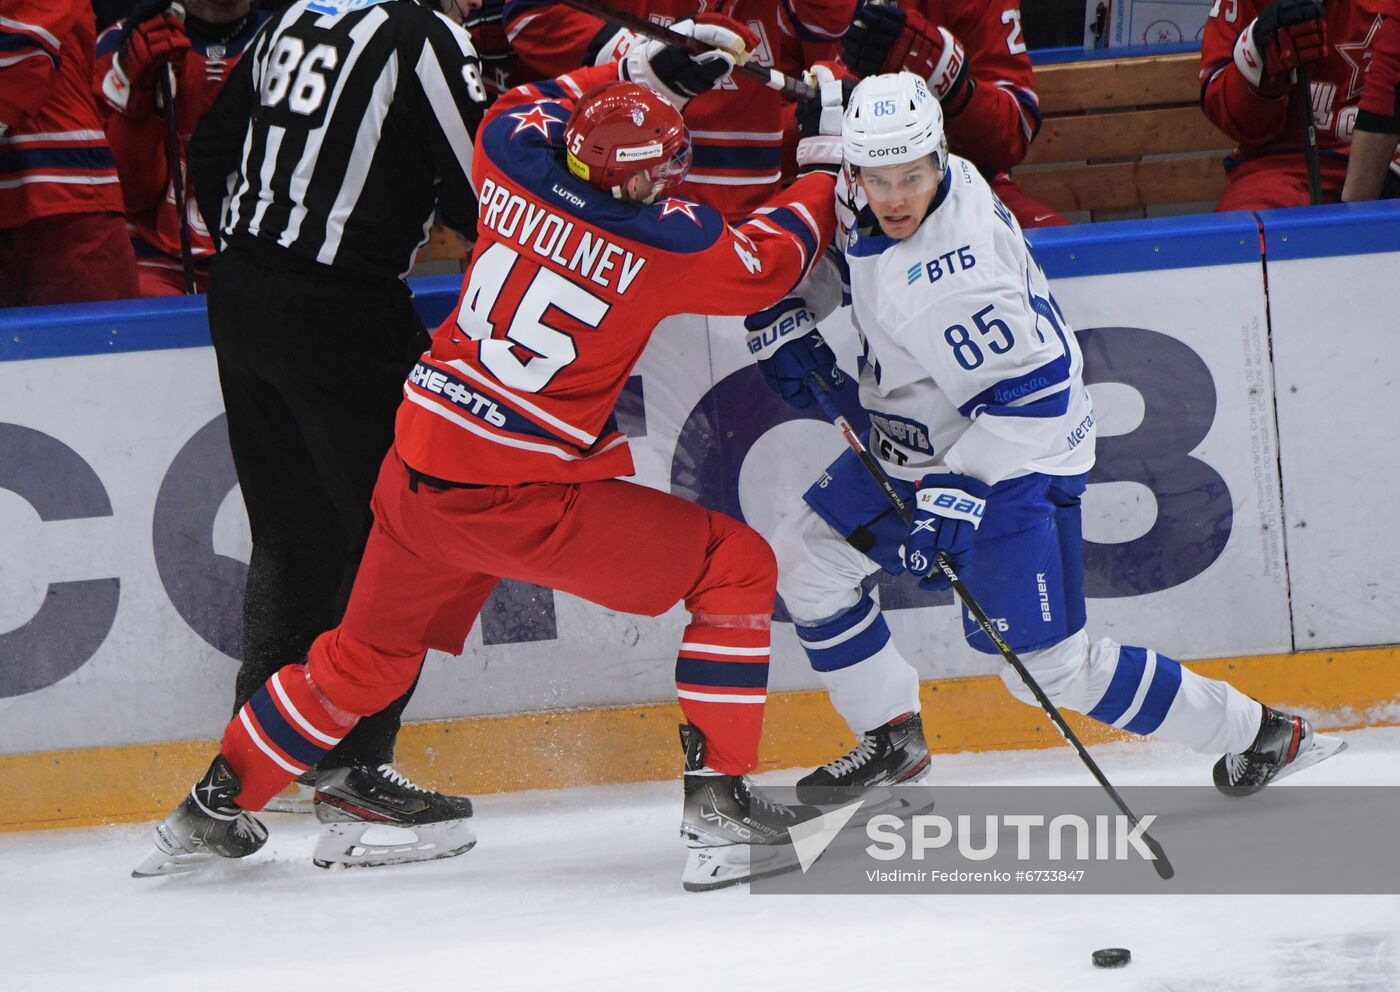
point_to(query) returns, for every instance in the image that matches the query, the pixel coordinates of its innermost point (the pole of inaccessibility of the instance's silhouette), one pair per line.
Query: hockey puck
(1112, 957)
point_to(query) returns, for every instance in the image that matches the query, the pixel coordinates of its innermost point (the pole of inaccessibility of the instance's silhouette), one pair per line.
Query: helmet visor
(667, 175)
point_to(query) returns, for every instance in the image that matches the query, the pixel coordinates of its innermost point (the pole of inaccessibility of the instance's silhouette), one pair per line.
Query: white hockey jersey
(968, 365)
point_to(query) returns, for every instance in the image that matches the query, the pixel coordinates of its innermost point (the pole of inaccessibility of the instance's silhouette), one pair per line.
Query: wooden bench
(1123, 135)
(1120, 136)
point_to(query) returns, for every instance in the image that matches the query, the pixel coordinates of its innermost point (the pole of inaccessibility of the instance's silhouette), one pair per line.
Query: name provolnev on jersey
(552, 236)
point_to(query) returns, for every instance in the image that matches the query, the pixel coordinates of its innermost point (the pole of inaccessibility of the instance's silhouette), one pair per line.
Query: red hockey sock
(282, 731)
(722, 681)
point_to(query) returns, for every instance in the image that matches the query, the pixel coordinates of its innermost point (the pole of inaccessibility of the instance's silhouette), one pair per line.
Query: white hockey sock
(868, 680)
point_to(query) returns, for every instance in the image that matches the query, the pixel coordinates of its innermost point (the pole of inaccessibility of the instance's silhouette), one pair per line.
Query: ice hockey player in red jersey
(203, 42)
(1371, 171)
(1248, 55)
(738, 129)
(507, 460)
(974, 57)
(62, 238)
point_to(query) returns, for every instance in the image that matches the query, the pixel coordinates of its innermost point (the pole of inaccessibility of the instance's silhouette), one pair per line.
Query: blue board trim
(1076, 53)
(1146, 245)
(1064, 252)
(154, 324)
(1331, 230)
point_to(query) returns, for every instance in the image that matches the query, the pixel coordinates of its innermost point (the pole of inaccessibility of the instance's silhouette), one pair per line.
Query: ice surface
(580, 889)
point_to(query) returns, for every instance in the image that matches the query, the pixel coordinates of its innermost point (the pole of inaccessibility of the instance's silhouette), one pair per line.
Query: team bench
(1124, 135)
(1120, 136)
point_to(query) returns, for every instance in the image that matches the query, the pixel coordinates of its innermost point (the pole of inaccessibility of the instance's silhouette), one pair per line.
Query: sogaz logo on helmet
(892, 150)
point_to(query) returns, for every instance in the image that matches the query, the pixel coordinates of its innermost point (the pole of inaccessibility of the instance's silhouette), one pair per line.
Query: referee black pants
(312, 369)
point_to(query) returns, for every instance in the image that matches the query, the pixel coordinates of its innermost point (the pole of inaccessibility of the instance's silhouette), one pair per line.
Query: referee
(345, 128)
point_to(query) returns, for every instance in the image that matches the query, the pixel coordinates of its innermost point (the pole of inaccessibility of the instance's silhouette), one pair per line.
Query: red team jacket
(1261, 125)
(1380, 102)
(54, 158)
(565, 288)
(995, 129)
(737, 128)
(137, 135)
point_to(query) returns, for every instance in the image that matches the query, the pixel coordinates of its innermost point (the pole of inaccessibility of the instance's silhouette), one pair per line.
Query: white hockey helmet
(891, 119)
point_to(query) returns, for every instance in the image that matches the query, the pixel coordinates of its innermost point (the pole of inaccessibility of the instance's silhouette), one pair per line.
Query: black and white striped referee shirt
(345, 125)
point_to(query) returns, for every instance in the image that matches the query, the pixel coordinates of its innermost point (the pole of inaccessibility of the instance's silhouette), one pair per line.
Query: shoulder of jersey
(526, 144)
(955, 252)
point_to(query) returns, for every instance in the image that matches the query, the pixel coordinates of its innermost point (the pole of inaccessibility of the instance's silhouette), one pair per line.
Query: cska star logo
(535, 118)
(674, 206)
(1357, 55)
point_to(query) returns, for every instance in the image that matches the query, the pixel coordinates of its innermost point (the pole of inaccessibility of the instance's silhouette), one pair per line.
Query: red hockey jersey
(1380, 101)
(137, 135)
(738, 128)
(54, 158)
(995, 128)
(565, 287)
(1262, 125)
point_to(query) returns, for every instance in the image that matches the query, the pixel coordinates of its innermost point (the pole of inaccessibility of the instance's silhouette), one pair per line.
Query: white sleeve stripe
(55, 136)
(806, 215)
(34, 29)
(41, 53)
(519, 26)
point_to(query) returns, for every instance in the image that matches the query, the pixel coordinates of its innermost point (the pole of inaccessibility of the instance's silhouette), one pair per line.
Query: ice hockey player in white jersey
(973, 381)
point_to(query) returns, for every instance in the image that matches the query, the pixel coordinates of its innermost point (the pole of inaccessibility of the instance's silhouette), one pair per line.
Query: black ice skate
(351, 802)
(207, 826)
(734, 832)
(894, 753)
(1285, 744)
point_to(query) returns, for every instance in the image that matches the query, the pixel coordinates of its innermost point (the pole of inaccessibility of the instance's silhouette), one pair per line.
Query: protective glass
(667, 175)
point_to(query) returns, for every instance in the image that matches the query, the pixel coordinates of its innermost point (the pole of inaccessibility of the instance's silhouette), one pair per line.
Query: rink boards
(1245, 387)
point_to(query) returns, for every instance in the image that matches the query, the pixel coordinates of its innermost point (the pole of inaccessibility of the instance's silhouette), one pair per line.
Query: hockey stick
(166, 82)
(1305, 107)
(789, 86)
(1160, 864)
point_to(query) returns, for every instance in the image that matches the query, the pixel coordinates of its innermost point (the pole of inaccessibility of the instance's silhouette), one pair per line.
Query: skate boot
(735, 833)
(891, 754)
(295, 798)
(207, 826)
(424, 825)
(1285, 744)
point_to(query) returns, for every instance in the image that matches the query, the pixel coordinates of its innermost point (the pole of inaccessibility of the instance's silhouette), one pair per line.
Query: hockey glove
(884, 37)
(1285, 35)
(675, 74)
(791, 353)
(819, 120)
(948, 508)
(153, 38)
(609, 45)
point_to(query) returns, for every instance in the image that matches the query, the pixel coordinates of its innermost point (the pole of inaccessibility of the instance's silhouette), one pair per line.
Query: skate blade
(708, 868)
(158, 864)
(1324, 746)
(345, 845)
(295, 798)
